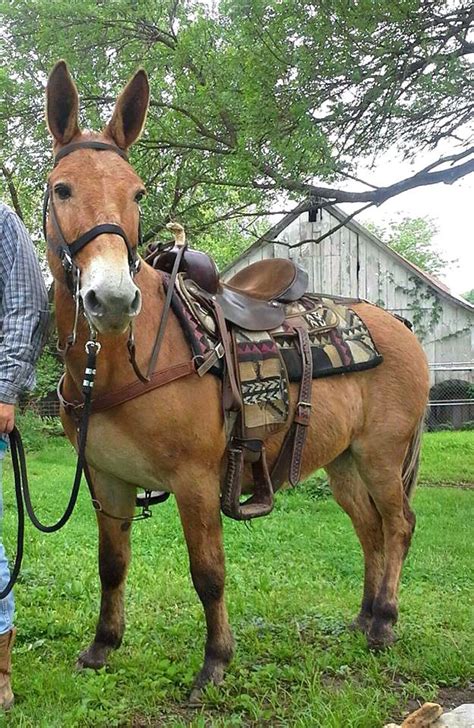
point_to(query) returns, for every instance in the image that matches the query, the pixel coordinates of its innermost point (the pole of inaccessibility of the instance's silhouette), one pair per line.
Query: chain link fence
(451, 405)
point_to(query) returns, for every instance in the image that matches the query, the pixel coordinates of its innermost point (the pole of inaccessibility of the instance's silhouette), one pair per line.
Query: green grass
(447, 457)
(294, 581)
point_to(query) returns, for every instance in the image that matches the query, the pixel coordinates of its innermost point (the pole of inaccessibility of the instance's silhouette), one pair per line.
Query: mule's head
(90, 188)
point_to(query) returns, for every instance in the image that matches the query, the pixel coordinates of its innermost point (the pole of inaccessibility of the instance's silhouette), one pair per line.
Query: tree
(469, 296)
(412, 237)
(256, 104)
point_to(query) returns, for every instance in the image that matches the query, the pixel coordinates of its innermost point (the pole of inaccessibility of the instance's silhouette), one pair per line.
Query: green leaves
(250, 100)
(412, 237)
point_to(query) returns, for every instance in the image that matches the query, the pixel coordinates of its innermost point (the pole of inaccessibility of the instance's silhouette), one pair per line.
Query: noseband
(66, 251)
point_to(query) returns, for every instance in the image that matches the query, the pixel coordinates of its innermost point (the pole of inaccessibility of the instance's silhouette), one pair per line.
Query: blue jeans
(7, 605)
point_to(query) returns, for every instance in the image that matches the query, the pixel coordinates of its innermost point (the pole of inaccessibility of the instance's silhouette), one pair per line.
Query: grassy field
(294, 581)
(447, 457)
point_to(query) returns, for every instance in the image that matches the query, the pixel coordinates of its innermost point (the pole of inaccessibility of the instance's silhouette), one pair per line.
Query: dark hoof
(361, 623)
(211, 674)
(195, 699)
(94, 658)
(380, 637)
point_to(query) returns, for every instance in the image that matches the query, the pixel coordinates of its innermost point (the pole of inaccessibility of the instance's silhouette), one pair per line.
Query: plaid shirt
(23, 308)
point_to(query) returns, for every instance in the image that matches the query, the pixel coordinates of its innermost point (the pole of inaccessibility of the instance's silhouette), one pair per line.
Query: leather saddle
(252, 298)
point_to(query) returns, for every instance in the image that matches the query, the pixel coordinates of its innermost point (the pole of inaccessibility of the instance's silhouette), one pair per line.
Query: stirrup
(151, 498)
(261, 502)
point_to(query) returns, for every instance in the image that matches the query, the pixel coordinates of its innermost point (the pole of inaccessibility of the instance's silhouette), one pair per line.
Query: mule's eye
(62, 191)
(140, 195)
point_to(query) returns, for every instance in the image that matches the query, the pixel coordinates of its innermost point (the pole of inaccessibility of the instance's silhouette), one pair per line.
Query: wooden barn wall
(348, 263)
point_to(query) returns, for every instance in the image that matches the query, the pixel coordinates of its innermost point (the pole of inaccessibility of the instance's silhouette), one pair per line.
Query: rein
(82, 410)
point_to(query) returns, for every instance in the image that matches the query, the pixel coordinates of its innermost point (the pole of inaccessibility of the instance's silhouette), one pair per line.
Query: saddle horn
(178, 232)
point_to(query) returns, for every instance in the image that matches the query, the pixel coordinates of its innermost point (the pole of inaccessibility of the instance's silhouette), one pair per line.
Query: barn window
(314, 214)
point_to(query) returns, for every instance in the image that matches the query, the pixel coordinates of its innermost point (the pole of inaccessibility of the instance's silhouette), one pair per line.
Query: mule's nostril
(136, 303)
(93, 304)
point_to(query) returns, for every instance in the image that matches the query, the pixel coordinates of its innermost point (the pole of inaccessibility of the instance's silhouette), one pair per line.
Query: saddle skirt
(267, 361)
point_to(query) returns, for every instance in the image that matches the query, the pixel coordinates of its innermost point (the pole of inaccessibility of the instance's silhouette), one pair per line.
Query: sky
(450, 206)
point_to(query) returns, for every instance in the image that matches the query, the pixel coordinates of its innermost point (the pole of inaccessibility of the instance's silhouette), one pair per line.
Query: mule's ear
(62, 104)
(130, 111)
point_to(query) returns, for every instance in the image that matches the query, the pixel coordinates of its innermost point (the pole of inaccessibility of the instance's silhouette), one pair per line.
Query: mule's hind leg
(116, 498)
(199, 508)
(350, 492)
(380, 465)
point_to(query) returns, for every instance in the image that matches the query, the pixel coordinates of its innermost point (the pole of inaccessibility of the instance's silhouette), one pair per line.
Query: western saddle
(254, 300)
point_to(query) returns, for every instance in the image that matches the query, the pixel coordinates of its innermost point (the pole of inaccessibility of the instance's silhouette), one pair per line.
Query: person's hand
(7, 418)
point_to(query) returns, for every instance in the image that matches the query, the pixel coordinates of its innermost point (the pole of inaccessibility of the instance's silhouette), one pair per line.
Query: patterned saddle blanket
(267, 361)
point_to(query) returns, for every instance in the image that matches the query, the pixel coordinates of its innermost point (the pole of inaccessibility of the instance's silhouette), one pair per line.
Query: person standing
(23, 324)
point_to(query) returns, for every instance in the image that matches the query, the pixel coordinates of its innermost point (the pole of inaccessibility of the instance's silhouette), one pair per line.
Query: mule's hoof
(360, 624)
(93, 658)
(195, 699)
(212, 673)
(380, 637)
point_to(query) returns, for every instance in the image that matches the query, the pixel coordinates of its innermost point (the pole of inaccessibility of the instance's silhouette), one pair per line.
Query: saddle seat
(274, 279)
(252, 298)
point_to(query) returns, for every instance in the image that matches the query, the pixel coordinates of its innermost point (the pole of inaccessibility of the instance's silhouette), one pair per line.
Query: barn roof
(429, 279)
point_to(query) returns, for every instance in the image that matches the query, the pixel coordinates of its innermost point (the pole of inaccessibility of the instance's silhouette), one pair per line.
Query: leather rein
(66, 253)
(82, 410)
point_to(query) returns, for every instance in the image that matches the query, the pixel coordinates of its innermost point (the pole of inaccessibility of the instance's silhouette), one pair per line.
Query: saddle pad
(340, 341)
(262, 380)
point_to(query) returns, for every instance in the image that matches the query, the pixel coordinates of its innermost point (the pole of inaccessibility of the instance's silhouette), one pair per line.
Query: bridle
(67, 251)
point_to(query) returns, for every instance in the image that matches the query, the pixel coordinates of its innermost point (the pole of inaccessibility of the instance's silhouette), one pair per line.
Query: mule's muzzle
(111, 311)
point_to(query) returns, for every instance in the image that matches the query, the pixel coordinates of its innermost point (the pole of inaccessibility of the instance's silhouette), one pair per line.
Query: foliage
(317, 486)
(36, 430)
(469, 296)
(48, 372)
(293, 582)
(412, 237)
(251, 101)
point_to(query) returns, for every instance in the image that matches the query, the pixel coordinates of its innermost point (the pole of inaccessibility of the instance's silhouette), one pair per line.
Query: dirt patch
(452, 697)
(448, 698)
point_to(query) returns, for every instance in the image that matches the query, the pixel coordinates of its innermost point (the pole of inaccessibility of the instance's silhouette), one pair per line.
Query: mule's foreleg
(118, 499)
(380, 468)
(350, 492)
(199, 508)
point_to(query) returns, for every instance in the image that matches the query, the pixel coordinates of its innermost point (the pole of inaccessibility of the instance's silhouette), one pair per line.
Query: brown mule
(364, 428)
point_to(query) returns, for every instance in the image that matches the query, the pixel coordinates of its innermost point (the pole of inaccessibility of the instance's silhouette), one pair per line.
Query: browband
(99, 146)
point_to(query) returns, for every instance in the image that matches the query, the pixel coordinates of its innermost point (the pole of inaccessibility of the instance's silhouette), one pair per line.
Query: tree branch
(330, 232)
(381, 194)
(12, 190)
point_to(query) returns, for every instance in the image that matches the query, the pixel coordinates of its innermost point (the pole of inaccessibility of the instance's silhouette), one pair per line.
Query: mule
(365, 426)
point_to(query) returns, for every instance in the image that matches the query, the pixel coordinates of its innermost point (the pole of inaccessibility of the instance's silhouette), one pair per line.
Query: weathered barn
(353, 262)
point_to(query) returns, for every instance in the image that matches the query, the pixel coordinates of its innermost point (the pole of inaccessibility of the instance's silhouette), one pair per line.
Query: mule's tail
(411, 463)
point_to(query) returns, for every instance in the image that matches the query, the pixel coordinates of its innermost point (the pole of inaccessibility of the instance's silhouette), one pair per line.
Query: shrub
(35, 430)
(317, 486)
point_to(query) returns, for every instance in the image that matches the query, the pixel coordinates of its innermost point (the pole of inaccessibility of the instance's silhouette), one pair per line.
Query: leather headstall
(66, 251)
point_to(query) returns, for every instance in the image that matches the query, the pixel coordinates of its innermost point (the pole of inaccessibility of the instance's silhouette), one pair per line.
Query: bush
(317, 486)
(35, 430)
